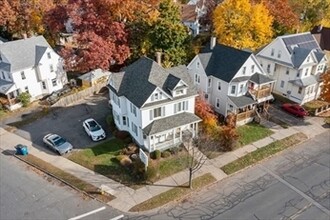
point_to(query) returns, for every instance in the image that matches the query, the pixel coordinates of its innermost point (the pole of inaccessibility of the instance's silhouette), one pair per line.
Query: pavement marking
(318, 205)
(117, 217)
(88, 213)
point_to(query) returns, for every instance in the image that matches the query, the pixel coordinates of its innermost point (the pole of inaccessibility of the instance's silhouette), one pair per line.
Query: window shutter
(151, 114)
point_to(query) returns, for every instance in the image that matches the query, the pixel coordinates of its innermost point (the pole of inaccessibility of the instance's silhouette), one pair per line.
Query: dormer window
(209, 82)
(179, 92)
(272, 52)
(156, 96)
(279, 54)
(252, 69)
(197, 65)
(308, 58)
(49, 55)
(244, 70)
(306, 72)
(197, 78)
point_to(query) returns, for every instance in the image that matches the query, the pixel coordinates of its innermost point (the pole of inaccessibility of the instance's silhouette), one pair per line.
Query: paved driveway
(67, 122)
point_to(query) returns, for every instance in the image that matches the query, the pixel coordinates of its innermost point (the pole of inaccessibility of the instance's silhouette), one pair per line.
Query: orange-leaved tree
(207, 114)
(325, 93)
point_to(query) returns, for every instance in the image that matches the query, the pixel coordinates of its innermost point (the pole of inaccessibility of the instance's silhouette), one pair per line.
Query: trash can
(21, 149)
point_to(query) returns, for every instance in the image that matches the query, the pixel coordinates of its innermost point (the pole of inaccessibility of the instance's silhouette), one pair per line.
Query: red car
(295, 109)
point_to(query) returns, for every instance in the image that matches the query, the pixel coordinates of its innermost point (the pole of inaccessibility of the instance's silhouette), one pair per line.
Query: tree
(24, 98)
(207, 114)
(162, 32)
(285, 18)
(240, 24)
(325, 92)
(99, 39)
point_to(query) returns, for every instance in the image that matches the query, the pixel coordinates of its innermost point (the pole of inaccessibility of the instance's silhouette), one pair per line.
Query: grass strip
(173, 194)
(252, 132)
(264, 152)
(67, 178)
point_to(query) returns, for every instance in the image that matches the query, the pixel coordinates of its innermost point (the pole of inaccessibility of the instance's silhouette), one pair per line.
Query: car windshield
(94, 126)
(59, 141)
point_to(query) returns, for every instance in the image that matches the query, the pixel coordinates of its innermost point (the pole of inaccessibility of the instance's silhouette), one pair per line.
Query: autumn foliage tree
(207, 114)
(100, 39)
(325, 92)
(240, 24)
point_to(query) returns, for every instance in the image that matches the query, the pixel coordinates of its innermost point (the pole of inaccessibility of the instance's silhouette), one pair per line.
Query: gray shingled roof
(307, 81)
(259, 78)
(319, 56)
(141, 78)
(5, 86)
(242, 101)
(223, 62)
(24, 53)
(170, 122)
(299, 55)
(241, 79)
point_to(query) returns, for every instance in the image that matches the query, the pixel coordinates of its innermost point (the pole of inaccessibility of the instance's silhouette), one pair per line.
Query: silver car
(57, 143)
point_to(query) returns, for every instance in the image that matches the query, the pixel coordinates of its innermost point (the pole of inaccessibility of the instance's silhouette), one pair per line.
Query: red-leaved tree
(207, 114)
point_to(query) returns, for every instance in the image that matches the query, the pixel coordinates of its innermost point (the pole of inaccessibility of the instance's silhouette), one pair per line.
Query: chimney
(213, 42)
(159, 57)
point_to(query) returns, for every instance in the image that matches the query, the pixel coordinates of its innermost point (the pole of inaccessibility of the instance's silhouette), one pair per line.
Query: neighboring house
(322, 35)
(155, 105)
(94, 77)
(191, 14)
(296, 62)
(29, 65)
(231, 80)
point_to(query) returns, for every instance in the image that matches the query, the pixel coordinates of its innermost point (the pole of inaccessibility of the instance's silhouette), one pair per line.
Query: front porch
(260, 87)
(9, 103)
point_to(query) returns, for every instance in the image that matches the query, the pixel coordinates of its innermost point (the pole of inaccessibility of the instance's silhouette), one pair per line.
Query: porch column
(196, 129)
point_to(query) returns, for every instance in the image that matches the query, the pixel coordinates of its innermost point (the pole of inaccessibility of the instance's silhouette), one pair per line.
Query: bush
(138, 169)
(174, 150)
(166, 154)
(130, 149)
(122, 135)
(120, 157)
(125, 161)
(24, 98)
(229, 138)
(156, 154)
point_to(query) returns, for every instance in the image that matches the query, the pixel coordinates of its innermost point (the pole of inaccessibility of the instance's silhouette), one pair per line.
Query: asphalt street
(26, 193)
(293, 185)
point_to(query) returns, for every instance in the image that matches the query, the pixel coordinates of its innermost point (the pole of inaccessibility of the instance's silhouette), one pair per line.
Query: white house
(155, 105)
(296, 62)
(231, 80)
(29, 65)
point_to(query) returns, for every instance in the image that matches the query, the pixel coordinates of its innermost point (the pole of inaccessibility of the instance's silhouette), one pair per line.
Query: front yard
(103, 159)
(252, 132)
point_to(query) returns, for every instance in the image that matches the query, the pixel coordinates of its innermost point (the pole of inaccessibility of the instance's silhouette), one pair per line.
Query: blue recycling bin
(21, 149)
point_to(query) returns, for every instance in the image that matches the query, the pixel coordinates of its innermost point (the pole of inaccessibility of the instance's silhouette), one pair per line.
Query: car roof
(52, 136)
(89, 119)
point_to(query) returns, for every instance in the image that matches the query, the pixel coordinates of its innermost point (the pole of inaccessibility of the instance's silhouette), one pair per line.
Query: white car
(57, 143)
(94, 130)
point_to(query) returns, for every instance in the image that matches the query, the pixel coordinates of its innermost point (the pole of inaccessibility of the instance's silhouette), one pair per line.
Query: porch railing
(167, 144)
(260, 93)
(245, 115)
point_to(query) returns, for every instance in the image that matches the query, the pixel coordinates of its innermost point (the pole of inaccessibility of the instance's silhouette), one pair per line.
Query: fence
(67, 100)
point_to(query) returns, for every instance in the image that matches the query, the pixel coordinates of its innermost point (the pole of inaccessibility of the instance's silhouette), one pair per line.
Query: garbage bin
(21, 149)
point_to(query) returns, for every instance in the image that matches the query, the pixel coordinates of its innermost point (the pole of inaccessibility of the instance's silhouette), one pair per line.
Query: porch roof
(307, 81)
(170, 122)
(242, 101)
(259, 78)
(5, 86)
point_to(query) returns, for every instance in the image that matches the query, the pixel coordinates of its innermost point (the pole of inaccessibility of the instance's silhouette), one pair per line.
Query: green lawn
(252, 132)
(262, 153)
(101, 159)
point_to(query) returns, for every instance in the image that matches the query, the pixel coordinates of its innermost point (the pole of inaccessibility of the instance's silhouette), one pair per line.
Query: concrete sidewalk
(126, 197)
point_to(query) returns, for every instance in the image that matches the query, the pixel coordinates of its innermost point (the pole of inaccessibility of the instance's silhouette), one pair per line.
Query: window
(26, 89)
(217, 104)
(244, 70)
(306, 72)
(241, 88)
(219, 85)
(268, 68)
(282, 84)
(157, 112)
(180, 106)
(156, 96)
(287, 71)
(298, 74)
(274, 67)
(299, 90)
(43, 84)
(252, 69)
(134, 129)
(272, 52)
(133, 109)
(197, 65)
(124, 121)
(51, 67)
(54, 82)
(48, 55)
(23, 75)
(209, 82)
(179, 92)
(320, 68)
(279, 54)
(233, 89)
(197, 78)
(308, 58)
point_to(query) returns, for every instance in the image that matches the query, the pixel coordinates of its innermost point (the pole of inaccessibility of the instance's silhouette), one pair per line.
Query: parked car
(294, 109)
(57, 143)
(94, 130)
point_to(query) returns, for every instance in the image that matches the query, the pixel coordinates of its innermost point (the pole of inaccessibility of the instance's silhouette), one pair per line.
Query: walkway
(126, 197)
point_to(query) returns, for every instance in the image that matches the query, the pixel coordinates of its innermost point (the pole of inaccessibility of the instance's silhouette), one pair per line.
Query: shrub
(138, 169)
(166, 154)
(120, 157)
(24, 98)
(174, 150)
(125, 161)
(156, 154)
(122, 135)
(229, 138)
(130, 149)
